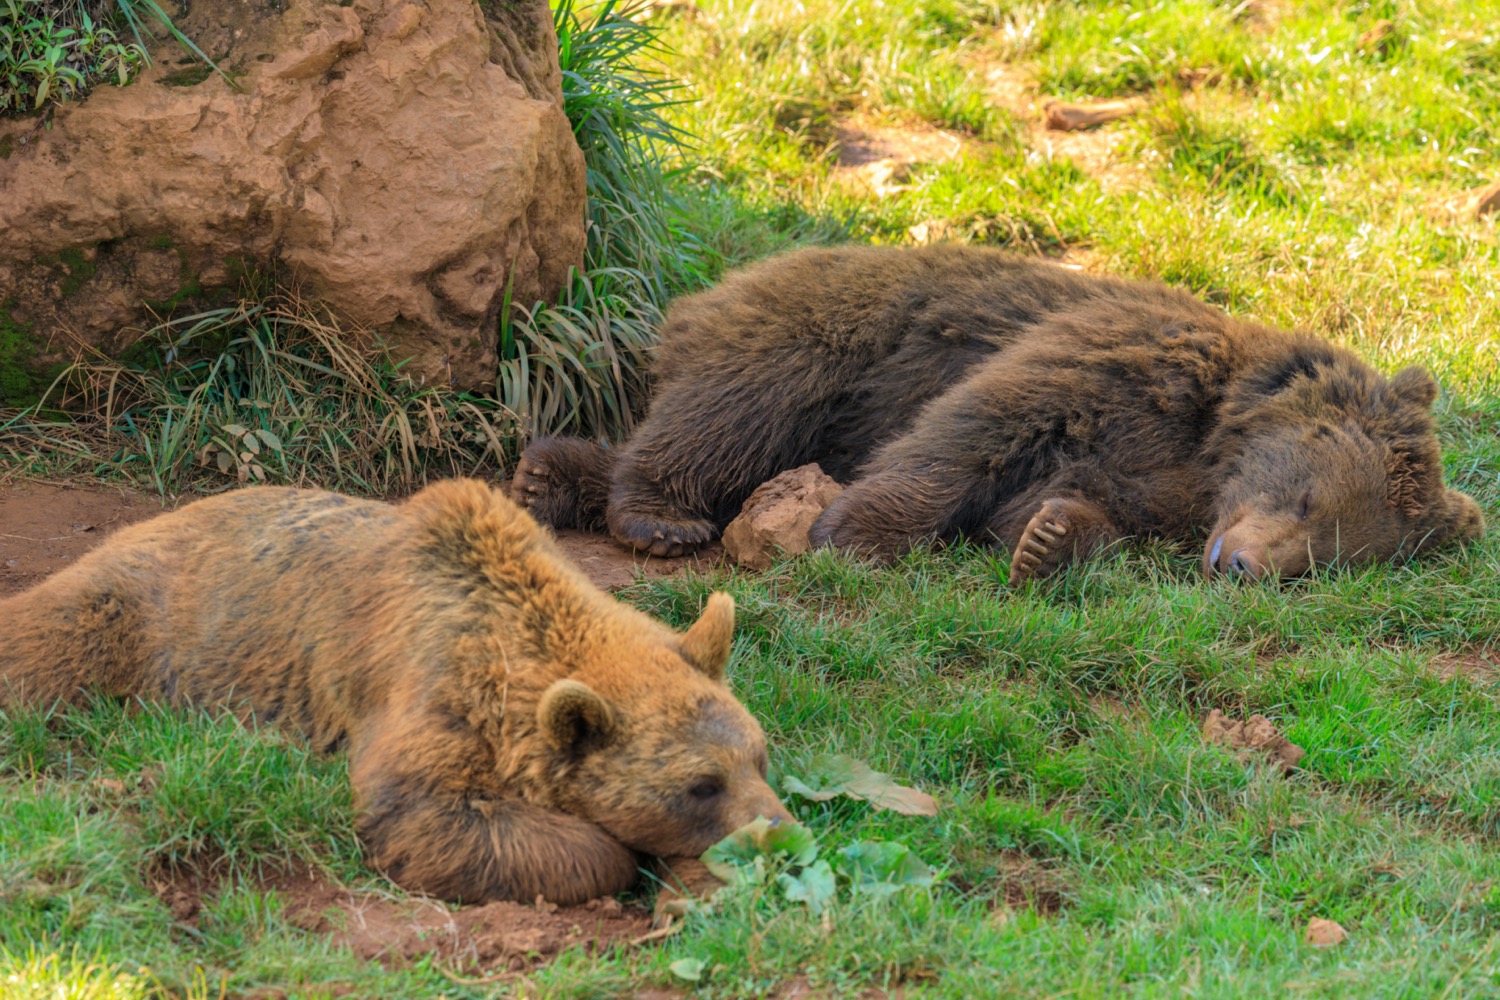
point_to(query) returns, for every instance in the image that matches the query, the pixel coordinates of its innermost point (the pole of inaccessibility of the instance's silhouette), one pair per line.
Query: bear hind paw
(562, 482)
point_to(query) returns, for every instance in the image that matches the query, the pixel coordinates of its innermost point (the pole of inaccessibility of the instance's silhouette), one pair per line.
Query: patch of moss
(22, 382)
(76, 269)
(190, 288)
(188, 76)
(80, 270)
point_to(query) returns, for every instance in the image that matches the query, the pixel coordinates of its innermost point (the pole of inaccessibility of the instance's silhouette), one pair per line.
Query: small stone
(1325, 933)
(778, 515)
(1064, 116)
(1256, 734)
(1485, 201)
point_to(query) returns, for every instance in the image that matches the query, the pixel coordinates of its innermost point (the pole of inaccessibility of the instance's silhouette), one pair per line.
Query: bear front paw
(660, 536)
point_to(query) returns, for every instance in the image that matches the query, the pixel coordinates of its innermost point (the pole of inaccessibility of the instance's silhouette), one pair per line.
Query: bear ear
(1458, 519)
(574, 718)
(1414, 385)
(706, 644)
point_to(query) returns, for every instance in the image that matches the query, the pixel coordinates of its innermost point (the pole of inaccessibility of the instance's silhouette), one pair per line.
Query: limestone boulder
(402, 161)
(776, 518)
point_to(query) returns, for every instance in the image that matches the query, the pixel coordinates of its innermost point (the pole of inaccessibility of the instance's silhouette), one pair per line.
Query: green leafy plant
(52, 54)
(788, 855)
(53, 51)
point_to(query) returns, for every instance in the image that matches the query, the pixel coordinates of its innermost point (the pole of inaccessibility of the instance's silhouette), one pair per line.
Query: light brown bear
(512, 731)
(967, 391)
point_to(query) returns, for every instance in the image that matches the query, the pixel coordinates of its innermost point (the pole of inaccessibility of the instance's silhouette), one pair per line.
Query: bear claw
(531, 490)
(663, 539)
(1040, 552)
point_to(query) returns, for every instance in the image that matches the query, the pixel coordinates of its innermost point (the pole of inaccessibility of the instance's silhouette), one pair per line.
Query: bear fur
(964, 390)
(512, 731)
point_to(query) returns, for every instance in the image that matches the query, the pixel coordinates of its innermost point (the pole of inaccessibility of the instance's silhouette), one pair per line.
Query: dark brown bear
(512, 730)
(962, 390)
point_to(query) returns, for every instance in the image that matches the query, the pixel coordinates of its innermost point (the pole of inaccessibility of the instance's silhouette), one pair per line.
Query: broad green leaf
(882, 867)
(831, 775)
(772, 840)
(689, 969)
(814, 885)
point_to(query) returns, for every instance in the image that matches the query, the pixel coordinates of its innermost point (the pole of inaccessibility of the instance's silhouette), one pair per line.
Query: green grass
(259, 392)
(1090, 844)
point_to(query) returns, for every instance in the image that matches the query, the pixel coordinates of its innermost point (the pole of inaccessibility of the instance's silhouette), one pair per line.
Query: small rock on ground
(1254, 734)
(1325, 933)
(776, 518)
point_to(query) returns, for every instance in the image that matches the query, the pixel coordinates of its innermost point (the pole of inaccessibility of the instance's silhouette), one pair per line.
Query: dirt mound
(468, 940)
(1256, 734)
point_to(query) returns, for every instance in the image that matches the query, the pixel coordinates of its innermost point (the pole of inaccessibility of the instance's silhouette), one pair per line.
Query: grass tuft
(259, 392)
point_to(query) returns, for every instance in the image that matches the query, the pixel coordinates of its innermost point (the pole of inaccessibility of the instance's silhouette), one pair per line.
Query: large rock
(778, 515)
(402, 160)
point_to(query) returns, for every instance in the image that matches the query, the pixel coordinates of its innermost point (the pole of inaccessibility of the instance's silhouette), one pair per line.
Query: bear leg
(564, 482)
(884, 515)
(474, 851)
(86, 630)
(1063, 531)
(687, 471)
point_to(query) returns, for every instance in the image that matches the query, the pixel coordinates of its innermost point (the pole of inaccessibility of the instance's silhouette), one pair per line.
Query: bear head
(1331, 464)
(653, 747)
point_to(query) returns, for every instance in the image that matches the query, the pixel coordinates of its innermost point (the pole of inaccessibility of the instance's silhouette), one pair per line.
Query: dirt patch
(880, 158)
(1255, 735)
(46, 526)
(1011, 880)
(397, 932)
(612, 566)
(1478, 666)
(1092, 151)
(1024, 883)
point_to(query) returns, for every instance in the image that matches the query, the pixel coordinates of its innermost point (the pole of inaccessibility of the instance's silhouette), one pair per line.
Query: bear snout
(1234, 562)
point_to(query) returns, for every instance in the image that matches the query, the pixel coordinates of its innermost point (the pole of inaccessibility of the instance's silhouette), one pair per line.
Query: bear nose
(1238, 566)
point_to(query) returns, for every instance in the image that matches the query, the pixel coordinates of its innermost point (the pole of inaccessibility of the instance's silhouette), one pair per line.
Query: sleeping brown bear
(962, 390)
(512, 730)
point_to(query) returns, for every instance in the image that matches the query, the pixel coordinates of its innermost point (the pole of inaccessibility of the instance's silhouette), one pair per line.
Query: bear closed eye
(512, 731)
(967, 391)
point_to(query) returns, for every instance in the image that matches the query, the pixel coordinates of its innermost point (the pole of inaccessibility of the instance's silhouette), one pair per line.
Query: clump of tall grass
(615, 103)
(579, 365)
(266, 391)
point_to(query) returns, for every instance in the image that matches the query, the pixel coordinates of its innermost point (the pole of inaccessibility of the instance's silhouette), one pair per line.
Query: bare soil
(468, 940)
(45, 526)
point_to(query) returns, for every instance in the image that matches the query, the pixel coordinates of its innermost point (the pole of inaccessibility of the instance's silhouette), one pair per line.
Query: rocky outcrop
(405, 161)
